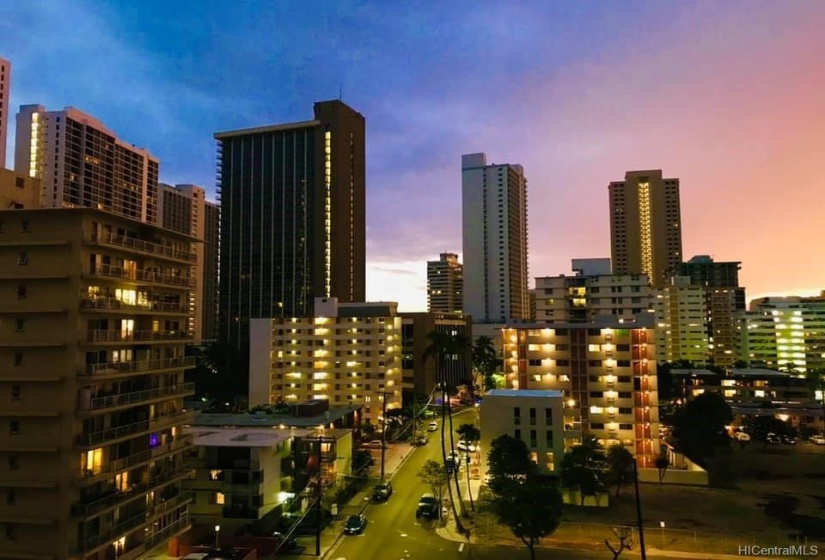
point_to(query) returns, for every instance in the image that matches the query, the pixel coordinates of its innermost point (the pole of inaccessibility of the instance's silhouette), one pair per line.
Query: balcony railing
(85, 509)
(144, 456)
(141, 275)
(141, 245)
(139, 366)
(118, 530)
(101, 302)
(111, 434)
(176, 527)
(137, 336)
(134, 397)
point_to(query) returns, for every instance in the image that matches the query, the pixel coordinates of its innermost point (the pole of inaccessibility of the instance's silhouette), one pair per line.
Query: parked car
(374, 444)
(742, 436)
(355, 524)
(818, 440)
(421, 440)
(771, 437)
(428, 507)
(788, 440)
(382, 492)
(466, 447)
(433, 426)
(195, 556)
(451, 464)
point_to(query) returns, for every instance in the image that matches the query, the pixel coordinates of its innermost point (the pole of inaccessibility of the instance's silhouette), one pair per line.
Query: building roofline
(268, 128)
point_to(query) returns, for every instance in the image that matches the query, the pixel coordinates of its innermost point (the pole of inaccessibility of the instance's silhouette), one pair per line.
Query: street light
(662, 525)
(217, 536)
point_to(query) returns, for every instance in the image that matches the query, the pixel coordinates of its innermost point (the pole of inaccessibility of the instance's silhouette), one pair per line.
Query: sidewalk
(449, 530)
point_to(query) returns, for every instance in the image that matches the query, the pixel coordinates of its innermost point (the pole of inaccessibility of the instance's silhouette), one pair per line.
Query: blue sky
(578, 92)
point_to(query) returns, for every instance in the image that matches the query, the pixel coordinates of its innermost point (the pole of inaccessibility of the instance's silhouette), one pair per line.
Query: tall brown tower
(645, 225)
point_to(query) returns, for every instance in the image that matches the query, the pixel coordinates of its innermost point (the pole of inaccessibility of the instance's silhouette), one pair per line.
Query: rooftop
(692, 372)
(264, 419)
(533, 393)
(759, 372)
(239, 437)
(641, 321)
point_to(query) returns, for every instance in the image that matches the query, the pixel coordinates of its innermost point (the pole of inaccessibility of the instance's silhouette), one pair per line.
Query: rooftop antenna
(340, 91)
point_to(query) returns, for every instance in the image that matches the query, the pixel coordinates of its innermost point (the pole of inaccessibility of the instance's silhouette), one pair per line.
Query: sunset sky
(727, 96)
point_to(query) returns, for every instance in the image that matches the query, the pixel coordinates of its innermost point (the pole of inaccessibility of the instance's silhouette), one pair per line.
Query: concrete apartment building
(681, 322)
(584, 298)
(293, 218)
(5, 98)
(533, 416)
(494, 240)
(184, 208)
(645, 225)
(81, 163)
(784, 333)
(348, 353)
(421, 374)
(725, 300)
(18, 190)
(607, 373)
(93, 318)
(445, 284)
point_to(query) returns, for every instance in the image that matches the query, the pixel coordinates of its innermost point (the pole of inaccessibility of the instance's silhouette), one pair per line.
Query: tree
(435, 477)
(625, 536)
(445, 347)
(699, 426)
(531, 508)
(662, 462)
(620, 463)
(470, 434)
(508, 459)
(485, 361)
(361, 461)
(584, 468)
(215, 374)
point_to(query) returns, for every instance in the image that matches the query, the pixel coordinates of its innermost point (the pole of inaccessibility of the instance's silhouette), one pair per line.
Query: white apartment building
(535, 417)
(681, 322)
(81, 163)
(494, 236)
(606, 372)
(349, 353)
(584, 298)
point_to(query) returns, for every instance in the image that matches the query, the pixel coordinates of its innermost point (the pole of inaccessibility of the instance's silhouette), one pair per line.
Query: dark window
(533, 439)
(21, 292)
(14, 426)
(548, 416)
(18, 358)
(15, 392)
(517, 434)
(549, 438)
(11, 497)
(13, 464)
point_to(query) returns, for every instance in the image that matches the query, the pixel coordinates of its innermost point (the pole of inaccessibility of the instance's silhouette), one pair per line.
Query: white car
(818, 440)
(466, 447)
(374, 444)
(433, 426)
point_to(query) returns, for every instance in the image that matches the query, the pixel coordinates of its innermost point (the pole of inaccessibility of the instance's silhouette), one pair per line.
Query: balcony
(105, 538)
(140, 245)
(116, 497)
(90, 476)
(110, 435)
(142, 366)
(105, 336)
(137, 397)
(114, 304)
(169, 531)
(142, 275)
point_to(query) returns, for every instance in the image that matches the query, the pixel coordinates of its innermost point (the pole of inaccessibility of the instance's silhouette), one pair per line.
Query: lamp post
(662, 525)
(217, 536)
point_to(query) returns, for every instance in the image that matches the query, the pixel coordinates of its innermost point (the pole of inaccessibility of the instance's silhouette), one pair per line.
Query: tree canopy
(469, 433)
(434, 475)
(584, 468)
(532, 508)
(620, 465)
(699, 426)
(485, 361)
(507, 459)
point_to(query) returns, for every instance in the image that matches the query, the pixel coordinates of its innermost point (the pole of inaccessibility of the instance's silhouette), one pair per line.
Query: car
(771, 437)
(428, 507)
(466, 447)
(355, 524)
(374, 444)
(451, 464)
(742, 436)
(285, 544)
(432, 427)
(421, 440)
(382, 492)
(195, 556)
(818, 440)
(788, 440)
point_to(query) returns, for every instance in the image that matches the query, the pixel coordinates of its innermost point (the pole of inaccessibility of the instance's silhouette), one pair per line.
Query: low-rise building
(744, 385)
(18, 190)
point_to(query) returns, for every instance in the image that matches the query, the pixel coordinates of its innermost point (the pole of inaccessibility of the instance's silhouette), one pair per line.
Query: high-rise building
(348, 354)
(606, 373)
(293, 224)
(586, 298)
(494, 225)
(5, 97)
(784, 333)
(93, 327)
(725, 300)
(184, 208)
(681, 322)
(645, 225)
(445, 284)
(81, 163)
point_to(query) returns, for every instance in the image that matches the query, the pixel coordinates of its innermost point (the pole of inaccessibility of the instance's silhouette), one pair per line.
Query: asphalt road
(393, 533)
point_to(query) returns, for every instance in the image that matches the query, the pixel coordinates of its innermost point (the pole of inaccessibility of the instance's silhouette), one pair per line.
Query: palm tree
(448, 346)
(484, 359)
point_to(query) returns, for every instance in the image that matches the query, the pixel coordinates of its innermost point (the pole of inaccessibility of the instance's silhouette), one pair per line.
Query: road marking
(461, 547)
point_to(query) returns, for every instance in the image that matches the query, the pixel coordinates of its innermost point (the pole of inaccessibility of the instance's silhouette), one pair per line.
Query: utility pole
(639, 510)
(383, 432)
(318, 493)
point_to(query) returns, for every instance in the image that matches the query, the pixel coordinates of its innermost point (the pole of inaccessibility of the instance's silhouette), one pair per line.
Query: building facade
(293, 218)
(5, 98)
(184, 208)
(348, 353)
(93, 318)
(18, 190)
(645, 225)
(607, 374)
(681, 322)
(724, 299)
(81, 163)
(494, 237)
(584, 299)
(535, 417)
(445, 284)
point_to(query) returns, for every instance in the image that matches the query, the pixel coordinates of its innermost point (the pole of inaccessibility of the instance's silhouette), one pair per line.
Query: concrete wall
(692, 475)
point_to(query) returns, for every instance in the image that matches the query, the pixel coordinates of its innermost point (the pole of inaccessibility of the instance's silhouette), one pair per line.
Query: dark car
(285, 544)
(355, 524)
(428, 507)
(382, 492)
(788, 439)
(772, 438)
